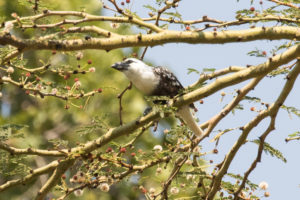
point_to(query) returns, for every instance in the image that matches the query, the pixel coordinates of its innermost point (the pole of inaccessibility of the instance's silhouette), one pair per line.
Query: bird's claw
(147, 111)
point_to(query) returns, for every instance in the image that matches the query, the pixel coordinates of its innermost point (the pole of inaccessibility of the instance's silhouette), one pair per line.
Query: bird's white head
(141, 75)
(130, 64)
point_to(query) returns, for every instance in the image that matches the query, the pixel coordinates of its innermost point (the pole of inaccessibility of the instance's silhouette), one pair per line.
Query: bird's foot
(147, 111)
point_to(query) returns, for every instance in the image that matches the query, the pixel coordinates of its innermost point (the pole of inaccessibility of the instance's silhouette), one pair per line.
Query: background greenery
(48, 123)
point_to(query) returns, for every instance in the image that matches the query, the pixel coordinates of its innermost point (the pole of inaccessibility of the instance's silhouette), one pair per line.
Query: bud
(14, 15)
(196, 149)
(8, 26)
(78, 193)
(263, 185)
(157, 148)
(159, 170)
(174, 190)
(54, 91)
(10, 70)
(133, 154)
(6, 78)
(77, 84)
(92, 69)
(189, 162)
(267, 194)
(109, 149)
(143, 190)
(114, 25)
(152, 190)
(104, 187)
(123, 150)
(68, 87)
(215, 151)
(79, 55)
(189, 177)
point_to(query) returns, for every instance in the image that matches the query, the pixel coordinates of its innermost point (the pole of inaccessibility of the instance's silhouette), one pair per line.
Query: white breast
(143, 78)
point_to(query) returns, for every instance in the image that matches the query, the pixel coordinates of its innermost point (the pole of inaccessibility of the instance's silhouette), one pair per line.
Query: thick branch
(85, 17)
(34, 173)
(285, 4)
(205, 77)
(31, 151)
(164, 37)
(258, 157)
(271, 111)
(238, 77)
(52, 181)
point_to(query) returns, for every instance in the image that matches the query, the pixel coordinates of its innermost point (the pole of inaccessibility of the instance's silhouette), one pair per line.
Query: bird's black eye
(129, 62)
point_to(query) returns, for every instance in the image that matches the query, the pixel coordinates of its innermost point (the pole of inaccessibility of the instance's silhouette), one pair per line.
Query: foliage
(56, 80)
(271, 150)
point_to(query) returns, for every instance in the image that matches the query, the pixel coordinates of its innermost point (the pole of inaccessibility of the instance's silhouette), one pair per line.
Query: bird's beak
(120, 66)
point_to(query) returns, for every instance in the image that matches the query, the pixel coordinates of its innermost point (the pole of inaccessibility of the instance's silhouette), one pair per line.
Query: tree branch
(163, 37)
(271, 111)
(258, 157)
(31, 151)
(52, 181)
(120, 101)
(285, 4)
(34, 173)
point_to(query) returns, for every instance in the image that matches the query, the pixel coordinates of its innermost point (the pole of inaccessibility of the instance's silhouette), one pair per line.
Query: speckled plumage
(168, 84)
(157, 81)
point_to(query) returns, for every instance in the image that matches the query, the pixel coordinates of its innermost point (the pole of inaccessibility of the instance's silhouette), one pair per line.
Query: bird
(157, 81)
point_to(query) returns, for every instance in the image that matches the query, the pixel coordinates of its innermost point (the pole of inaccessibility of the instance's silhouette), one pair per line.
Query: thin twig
(177, 166)
(271, 111)
(285, 4)
(292, 138)
(257, 159)
(55, 177)
(120, 101)
(159, 12)
(31, 151)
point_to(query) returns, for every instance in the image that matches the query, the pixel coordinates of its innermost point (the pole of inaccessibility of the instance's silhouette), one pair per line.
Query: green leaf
(279, 71)
(209, 69)
(237, 107)
(295, 134)
(271, 150)
(176, 14)
(192, 70)
(150, 8)
(164, 26)
(12, 165)
(256, 53)
(291, 109)
(252, 99)
(228, 186)
(253, 186)
(11, 130)
(98, 123)
(59, 143)
(159, 2)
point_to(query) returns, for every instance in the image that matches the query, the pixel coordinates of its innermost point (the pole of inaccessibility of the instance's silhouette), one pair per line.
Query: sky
(282, 178)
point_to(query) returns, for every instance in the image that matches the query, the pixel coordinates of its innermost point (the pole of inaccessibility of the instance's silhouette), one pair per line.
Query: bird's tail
(185, 113)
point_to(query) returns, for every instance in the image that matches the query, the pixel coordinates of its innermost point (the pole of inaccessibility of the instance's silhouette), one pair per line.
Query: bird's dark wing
(168, 84)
